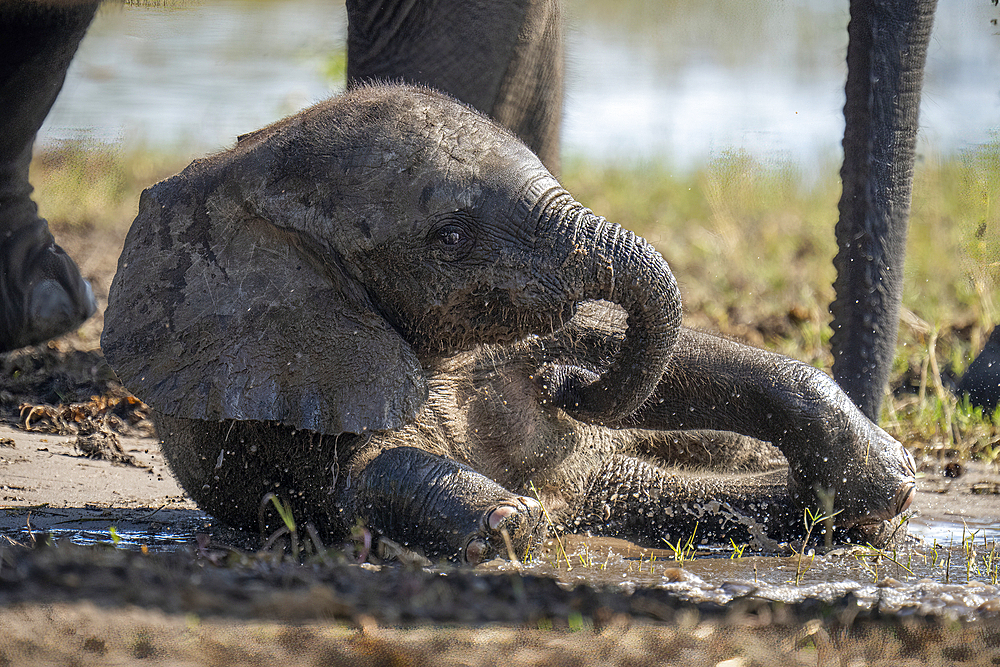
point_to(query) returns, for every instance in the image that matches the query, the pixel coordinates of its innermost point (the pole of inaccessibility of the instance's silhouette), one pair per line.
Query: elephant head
(306, 275)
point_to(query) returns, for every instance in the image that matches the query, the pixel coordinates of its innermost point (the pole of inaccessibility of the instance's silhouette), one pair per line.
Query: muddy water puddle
(134, 540)
(946, 532)
(943, 568)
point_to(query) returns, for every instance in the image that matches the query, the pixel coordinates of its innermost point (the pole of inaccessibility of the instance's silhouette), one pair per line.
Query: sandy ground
(48, 484)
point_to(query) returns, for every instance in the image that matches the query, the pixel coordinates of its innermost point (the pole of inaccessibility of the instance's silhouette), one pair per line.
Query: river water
(680, 82)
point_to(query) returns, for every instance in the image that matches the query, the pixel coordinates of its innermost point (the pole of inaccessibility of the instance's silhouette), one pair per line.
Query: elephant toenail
(911, 465)
(54, 308)
(530, 503)
(904, 496)
(498, 516)
(475, 551)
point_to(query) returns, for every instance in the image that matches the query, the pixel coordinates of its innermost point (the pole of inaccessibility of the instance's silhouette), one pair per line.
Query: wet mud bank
(92, 605)
(207, 581)
(83, 635)
(110, 525)
(103, 558)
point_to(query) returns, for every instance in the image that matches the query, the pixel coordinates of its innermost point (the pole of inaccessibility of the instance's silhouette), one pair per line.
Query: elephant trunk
(885, 60)
(606, 261)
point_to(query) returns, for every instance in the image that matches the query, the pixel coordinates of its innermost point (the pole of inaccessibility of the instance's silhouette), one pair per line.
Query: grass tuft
(79, 187)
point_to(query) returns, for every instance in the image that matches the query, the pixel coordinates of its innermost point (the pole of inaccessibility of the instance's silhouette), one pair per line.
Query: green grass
(752, 246)
(80, 188)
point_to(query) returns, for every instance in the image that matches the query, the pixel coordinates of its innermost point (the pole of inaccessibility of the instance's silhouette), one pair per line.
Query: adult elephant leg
(885, 59)
(502, 57)
(981, 381)
(41, 292)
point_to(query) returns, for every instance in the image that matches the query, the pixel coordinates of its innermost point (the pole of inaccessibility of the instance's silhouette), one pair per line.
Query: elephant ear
(217, 314)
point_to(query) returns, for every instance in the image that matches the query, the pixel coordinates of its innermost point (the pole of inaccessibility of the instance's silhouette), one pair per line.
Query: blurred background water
(675, 81)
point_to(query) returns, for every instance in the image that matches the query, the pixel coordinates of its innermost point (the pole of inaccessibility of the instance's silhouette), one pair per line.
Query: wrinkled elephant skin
(505, 58)
(385, 310)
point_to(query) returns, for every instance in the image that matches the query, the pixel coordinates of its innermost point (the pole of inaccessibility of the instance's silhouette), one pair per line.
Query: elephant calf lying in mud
(385, 310)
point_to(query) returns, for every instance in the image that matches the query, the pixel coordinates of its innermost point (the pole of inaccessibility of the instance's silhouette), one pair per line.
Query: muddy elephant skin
(385, 310)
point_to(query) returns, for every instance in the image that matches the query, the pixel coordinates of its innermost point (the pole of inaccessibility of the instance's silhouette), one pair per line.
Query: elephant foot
(876, 485)
(904, 496)
(520, 518)
(880, 534)
(42, 294)
(898, 488)
(888, 531)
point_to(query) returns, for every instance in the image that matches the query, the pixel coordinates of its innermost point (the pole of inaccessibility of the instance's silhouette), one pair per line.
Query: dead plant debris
(102, 444)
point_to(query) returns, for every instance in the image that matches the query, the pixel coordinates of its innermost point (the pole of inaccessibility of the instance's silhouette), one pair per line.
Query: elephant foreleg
(655, 507)
(715, 383)
(439, 504)
(41, 292)
(502, 57)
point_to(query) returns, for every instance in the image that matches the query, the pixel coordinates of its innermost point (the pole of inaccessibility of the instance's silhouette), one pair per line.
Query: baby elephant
(385, 310)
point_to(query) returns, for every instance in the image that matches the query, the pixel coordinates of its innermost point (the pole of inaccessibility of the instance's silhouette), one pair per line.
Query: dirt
(85, 634)
(159, 582)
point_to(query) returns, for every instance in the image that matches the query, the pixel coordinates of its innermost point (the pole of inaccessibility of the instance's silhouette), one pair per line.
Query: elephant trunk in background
(611, 263)
(888, 47)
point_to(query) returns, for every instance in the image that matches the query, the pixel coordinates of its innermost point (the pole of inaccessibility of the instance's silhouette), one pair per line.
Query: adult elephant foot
(511, 529)
(982, 379)
(42, 294)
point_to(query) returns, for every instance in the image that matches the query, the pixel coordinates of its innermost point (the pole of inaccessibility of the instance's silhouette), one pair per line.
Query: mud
(89, 512)
(85, 634)
(104, 560)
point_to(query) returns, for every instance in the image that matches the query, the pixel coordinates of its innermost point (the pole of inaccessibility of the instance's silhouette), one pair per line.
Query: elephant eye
(453, 237)
(450, 235)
